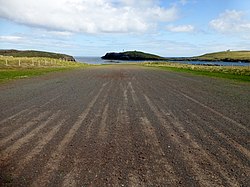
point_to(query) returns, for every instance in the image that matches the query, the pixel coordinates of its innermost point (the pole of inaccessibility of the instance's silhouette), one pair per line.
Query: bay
(99, 60)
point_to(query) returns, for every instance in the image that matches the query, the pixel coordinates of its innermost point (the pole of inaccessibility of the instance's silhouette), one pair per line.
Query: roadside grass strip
(239, 73)
(24, 67)
(9, 74)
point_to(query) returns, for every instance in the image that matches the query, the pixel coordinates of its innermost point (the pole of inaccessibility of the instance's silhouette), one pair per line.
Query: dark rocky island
(32, 53)
(131, 55)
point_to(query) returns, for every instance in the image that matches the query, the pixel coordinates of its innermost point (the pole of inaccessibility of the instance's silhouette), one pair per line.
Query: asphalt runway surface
(124, 125)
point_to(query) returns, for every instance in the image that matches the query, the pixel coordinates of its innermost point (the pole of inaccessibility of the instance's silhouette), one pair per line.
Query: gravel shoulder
(124, 125)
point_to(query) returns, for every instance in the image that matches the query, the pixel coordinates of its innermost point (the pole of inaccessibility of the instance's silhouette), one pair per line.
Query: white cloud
(231, 21)
(39, 41)
(180, 28)
(10, 38)
(144, 3)
(60, 33)
(88, 16)
(54, 34)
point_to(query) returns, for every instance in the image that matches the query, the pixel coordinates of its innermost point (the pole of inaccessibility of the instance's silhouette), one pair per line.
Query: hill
(32, 53)
(224, 56)
(131, 55)
(235, 56)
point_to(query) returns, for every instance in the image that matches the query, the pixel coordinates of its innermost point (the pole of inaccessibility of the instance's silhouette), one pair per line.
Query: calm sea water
(98, 60)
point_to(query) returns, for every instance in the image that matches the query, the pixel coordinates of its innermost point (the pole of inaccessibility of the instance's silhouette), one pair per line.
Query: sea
(99, 60)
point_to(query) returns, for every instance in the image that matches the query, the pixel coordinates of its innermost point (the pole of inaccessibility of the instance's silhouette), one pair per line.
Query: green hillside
(32, 53)
(226, 56)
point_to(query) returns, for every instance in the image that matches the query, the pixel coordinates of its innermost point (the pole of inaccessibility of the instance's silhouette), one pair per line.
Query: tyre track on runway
(185, 148)
(226, 175)
(234, 144)
(24, 160)
(216, 124)
(16, 121)
(165, 169)
(71, 178)
(8, 152)
(236, 164)
(19, 131)
(57, 155)
(215, 112)
(202, 176)
(175, 90)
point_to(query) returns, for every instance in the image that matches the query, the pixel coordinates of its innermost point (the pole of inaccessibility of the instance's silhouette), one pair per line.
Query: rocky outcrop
(131, 55)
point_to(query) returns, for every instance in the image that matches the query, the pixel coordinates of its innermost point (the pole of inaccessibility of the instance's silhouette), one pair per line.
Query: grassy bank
(224, 56)
(32, 53)
(24, 67)
(239, 73)
(10, 74)
(227, 56)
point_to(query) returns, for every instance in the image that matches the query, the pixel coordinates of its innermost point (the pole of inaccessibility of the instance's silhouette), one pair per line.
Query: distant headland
(131, 55)
(33, 53)
(224, 56)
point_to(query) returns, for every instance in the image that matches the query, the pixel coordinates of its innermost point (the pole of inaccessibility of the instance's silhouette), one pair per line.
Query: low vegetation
(23, 67)
(241, 73)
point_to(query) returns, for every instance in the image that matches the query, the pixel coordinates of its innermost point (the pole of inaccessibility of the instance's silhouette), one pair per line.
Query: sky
(93, 27)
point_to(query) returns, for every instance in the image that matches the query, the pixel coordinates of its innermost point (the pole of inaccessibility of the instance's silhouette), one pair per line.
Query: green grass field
(240, 73)
(227, 56)
(10, 74)
(25, 62)
(24, 67)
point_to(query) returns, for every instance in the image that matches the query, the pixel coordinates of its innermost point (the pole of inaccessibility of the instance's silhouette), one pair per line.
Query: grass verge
(17, 68)
(239, 73)
(10, 74)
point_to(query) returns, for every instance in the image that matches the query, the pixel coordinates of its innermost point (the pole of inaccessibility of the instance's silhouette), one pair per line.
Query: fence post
(39, 63)
(33, 64)
(6, 62)
(19, 62)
